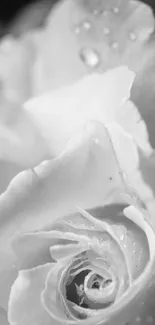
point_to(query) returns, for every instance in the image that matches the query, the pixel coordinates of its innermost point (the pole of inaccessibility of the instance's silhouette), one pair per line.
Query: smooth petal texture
(96, 97)
(25, 305)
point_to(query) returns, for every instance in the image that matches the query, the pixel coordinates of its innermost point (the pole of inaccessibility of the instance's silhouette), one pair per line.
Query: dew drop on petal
(134, 248)
(90, 57)
(115, 10)
(86, 25)
(120, 231)
(114, 45)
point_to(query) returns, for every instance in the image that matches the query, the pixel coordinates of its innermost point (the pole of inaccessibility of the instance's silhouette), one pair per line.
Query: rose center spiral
(91, 290)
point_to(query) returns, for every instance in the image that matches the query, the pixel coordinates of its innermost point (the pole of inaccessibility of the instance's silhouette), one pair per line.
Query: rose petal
(52, 70)
(132, 239)
(143, 91)
(132, 171)
(49, 294)
(42, 243)
(96, 97)
(21, 142)
(25, 305)
(131, 121)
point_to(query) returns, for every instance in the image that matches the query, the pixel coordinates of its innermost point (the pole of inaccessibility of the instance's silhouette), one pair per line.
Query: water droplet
(120, 231)
(122, 237)
(86, 25)
(114, 45)
(90, 57)
(106, 31)
(115, 10)
(132, 36)
(140, 254)
(134, 248)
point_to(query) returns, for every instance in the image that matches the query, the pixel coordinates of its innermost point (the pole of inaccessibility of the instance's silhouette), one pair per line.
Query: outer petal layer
(25, 305)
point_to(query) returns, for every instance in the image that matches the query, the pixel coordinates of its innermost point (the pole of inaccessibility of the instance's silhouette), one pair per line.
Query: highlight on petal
(96, 97)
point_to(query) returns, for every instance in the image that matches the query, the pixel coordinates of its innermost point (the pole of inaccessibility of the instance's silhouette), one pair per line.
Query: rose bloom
(91, 38)
(84, 271)
(79, 268)
(57, 269)
(102, 150)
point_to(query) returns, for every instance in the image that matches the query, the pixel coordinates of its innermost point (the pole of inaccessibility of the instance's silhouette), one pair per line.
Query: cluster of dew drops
(89, 55)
